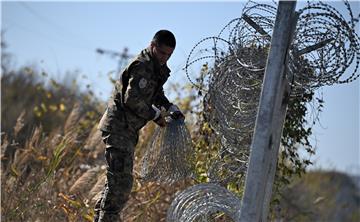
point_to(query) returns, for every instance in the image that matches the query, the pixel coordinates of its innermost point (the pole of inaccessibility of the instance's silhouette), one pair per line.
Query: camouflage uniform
(128, 110)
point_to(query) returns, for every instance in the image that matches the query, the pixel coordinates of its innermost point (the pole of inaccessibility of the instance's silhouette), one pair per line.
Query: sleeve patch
(142, 83)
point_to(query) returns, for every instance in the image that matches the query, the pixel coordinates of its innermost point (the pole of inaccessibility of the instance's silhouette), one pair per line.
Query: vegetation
(52, 154)
(320, 196)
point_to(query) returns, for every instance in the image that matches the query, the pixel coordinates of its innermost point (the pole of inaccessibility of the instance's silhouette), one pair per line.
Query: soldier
(137, 98)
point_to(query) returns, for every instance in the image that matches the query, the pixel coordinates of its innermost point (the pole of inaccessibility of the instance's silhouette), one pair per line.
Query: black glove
(177, 115)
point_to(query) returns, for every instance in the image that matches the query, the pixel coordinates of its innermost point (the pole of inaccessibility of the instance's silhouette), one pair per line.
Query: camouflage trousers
(119, 154)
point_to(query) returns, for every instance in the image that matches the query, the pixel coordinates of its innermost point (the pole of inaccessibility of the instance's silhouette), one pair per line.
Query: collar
(156, 62)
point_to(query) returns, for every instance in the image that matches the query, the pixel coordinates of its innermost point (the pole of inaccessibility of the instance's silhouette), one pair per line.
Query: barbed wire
(230, 106)
(217, 198)
(324, 51)
(328, 44)
(324, 41)
(169, 155)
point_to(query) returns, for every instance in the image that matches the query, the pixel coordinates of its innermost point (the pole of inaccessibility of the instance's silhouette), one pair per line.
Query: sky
(63, 36)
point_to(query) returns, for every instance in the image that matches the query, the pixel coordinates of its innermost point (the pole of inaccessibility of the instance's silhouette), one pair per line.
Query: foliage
(320, 196)
(52, 153)
(45, 127)
(296, 137)
(42, 99)
(38, 167)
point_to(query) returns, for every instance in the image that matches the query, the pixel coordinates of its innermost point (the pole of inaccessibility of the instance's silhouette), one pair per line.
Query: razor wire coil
(325, 51)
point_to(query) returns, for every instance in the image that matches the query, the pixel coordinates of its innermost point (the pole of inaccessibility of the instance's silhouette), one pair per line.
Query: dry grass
(56, 170)
(50, 178)
(40, 167)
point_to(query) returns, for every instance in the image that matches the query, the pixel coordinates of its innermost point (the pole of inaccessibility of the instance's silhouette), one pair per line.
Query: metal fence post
(269, 121)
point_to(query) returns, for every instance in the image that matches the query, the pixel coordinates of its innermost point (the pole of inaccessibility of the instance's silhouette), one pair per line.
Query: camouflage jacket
(140, 86)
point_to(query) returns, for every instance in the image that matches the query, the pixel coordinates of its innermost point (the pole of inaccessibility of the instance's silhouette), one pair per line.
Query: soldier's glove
(160, 121)
(160, 116)
(175, 112)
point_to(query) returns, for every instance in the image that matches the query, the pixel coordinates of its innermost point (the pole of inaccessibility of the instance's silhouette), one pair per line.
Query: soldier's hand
(160, 121)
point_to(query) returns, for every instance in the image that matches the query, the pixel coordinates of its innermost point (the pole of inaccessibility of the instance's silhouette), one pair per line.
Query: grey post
(269, 121)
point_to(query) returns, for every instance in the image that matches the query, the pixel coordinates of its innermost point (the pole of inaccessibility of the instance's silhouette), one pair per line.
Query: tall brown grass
(45, 126)
(53, 158)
